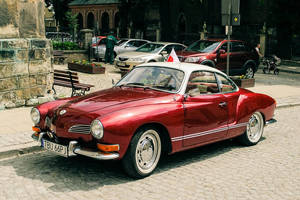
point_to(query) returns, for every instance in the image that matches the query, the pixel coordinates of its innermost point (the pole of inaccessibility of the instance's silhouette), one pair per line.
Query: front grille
(48, 122)
(123, 58)
(80, 128)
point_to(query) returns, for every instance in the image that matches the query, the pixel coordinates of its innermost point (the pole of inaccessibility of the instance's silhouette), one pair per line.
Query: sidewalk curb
(17, 150)
(288, 71)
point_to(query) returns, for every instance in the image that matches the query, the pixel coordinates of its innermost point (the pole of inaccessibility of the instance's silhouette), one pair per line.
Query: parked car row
(244, 60)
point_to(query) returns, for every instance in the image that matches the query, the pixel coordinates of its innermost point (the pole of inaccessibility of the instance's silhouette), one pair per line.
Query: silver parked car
(123, 45)
(150, 52)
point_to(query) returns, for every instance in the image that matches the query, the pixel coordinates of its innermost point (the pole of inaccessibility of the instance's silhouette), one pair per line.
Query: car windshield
(203, 46)
(150, 47)
(157, 78)
(121, 42)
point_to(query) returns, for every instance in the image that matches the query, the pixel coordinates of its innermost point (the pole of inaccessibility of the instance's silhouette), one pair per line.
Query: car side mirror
(164, 53)
(222, 51)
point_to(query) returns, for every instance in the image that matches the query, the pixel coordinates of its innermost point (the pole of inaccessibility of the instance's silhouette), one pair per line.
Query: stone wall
(26, 70)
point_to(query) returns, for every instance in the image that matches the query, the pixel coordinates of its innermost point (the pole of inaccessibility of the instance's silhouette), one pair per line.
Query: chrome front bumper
(75, 149)
(271, 121)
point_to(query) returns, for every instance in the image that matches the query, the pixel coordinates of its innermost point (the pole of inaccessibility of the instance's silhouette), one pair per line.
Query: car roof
(220, 40)
(186, 67)
(166, 43)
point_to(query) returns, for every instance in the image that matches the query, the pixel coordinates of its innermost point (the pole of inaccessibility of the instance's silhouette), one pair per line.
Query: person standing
(110, 44)
(257, 48)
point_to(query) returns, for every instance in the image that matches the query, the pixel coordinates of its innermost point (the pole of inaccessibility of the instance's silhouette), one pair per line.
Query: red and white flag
(173, 57)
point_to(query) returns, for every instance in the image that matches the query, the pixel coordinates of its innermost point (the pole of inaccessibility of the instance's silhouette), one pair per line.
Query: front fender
(120, 126)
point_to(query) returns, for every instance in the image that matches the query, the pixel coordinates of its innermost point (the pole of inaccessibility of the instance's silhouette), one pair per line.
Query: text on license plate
(56, 148)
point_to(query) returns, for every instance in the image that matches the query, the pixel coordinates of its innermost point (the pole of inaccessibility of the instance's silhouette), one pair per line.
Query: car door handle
(223, 104)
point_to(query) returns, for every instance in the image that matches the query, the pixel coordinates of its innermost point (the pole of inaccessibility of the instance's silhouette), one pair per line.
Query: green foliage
(65, 46)
(72, 23)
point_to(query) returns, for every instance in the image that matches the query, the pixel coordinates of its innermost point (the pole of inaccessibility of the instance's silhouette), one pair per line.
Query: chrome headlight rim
(97, 129)
(35, 115)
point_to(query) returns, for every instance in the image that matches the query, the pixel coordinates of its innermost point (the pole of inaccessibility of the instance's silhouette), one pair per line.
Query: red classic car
(157, 107)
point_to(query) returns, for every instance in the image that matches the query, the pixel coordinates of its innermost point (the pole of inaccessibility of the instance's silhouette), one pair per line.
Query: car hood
(113, 99)
(191, 53)
(136, 54)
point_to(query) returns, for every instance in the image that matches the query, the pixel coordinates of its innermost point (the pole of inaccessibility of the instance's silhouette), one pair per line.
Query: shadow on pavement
(81, 173)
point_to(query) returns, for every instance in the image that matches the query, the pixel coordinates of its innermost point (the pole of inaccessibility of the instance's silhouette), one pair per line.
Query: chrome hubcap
(255, 127)
(249, 73)
(148, 151)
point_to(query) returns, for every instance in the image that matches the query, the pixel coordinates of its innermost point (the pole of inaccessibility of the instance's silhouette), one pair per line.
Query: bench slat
(58, 75)
(62, 78)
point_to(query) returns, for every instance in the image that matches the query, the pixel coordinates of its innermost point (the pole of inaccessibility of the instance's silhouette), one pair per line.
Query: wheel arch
(252, 63)
(208, 63)
(163, 132)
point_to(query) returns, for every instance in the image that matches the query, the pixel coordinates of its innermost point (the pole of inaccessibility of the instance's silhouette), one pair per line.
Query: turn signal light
(108, 147)
(36, 129)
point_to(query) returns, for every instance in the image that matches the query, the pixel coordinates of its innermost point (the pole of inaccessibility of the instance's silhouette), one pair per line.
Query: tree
(60, 8)
(284, 15)
(72, 23)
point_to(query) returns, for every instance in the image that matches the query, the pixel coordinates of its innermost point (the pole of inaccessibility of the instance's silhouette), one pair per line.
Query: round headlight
(97, 129)
(35, 116)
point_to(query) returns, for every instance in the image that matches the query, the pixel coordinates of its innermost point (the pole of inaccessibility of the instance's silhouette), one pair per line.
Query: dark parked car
(244, 59)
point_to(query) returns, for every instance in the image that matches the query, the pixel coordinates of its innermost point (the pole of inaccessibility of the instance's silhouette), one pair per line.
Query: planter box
(244, 83)
(86, 68)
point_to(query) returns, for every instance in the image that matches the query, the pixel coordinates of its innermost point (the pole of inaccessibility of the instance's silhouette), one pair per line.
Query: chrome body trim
(95, 154)
(74, 149)
(193, 135)
(271, 121)
(80, 128)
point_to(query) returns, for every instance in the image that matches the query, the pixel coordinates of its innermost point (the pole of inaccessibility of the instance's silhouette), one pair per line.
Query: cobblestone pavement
(226, 170)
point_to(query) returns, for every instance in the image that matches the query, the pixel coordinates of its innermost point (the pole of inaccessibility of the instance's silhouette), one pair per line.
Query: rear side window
(238, 47)
(202, 82)
(225, 84)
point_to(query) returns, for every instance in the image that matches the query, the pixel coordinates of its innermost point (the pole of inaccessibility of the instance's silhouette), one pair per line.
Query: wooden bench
(59, 57)
(70, 79)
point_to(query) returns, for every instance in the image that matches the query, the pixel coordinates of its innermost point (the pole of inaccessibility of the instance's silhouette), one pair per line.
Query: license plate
(122, 64)
(56, 148)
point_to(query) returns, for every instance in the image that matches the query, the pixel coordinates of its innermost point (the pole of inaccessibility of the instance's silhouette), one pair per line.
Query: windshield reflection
(159, 78)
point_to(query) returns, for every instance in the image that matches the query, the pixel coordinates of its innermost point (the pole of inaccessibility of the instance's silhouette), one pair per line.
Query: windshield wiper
(132, 84)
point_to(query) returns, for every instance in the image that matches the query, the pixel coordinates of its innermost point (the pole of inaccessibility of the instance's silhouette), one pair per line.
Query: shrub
(65, 46)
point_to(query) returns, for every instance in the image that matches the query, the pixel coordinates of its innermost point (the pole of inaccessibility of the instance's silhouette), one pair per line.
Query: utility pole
(230, 17)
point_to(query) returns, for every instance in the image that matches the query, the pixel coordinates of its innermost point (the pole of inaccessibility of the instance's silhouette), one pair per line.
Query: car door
(230, 91)
(237, 58)
(221, 63)
(205, 110)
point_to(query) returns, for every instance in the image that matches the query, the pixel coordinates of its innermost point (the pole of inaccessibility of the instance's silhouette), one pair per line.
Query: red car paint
(123, 110)
(241, 56)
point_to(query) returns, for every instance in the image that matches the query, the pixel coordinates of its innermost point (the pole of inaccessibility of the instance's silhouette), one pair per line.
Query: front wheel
(249, 73)
(254, 131)
(276, 71)
(143, 153)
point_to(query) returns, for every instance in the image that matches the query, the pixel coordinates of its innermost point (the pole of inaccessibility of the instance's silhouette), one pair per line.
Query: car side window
(168, 48)
(131, 44)
(224, 46)
(139, 43)
(202, 82)
(178, 47)
(225, 85)
(238, 47)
